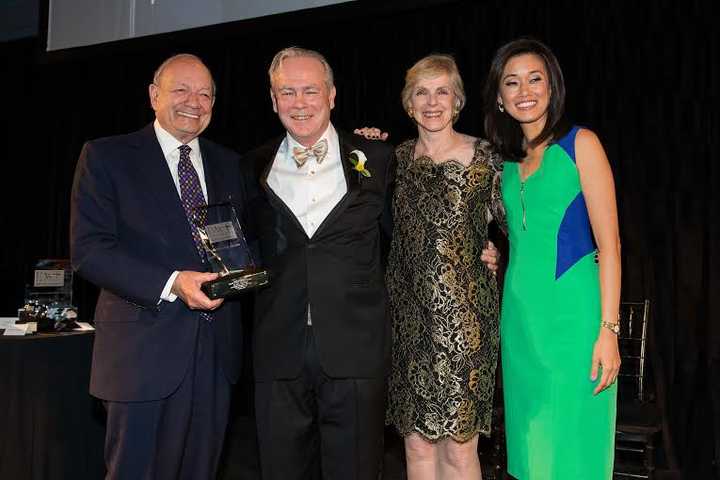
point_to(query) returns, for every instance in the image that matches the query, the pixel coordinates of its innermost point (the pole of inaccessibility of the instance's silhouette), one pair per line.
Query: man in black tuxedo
(165, 354)
(316, 198)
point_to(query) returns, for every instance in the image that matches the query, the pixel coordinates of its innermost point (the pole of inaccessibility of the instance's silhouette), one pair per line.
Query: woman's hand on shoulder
(372, 133)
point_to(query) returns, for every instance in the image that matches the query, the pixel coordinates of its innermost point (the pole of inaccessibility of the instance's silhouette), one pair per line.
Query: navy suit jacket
(128, 233)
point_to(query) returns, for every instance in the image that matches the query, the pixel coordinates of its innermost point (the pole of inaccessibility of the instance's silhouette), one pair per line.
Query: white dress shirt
(169, 146)
(313, 190)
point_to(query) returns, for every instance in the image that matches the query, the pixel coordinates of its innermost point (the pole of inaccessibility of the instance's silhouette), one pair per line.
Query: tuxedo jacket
(339, 272)
(128, 233)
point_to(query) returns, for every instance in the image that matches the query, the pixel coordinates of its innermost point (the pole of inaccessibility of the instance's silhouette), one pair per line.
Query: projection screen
(78, 23)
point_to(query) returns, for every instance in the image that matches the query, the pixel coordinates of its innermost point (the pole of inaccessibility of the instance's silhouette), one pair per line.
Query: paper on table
(7, 321)
(16, 330)
(83, 327)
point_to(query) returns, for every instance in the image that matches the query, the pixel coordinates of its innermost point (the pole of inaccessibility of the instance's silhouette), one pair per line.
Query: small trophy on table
(227, 253)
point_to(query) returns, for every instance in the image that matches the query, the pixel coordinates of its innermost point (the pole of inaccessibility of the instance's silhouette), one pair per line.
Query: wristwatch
(613, 327)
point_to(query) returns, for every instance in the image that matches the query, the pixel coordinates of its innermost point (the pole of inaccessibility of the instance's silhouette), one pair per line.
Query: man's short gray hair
(292, 52)
(182, 56)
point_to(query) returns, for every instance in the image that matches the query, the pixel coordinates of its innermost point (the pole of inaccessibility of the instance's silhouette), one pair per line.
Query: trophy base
(235, 282)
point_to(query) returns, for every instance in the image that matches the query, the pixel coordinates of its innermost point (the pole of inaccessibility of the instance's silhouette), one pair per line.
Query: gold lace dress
(443, 300)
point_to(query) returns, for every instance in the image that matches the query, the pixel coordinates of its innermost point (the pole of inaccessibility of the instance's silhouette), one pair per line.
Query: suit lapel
(151, 170)
(278, 204)
(211, 169)
(352, 180)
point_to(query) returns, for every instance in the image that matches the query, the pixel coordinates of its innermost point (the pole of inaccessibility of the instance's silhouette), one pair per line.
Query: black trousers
(315, 426)
(178, 437)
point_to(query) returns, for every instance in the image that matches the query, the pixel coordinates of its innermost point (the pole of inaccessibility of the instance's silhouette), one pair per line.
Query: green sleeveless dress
(556, 429)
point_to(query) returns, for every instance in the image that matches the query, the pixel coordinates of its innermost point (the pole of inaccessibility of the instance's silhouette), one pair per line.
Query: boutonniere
(358, 159)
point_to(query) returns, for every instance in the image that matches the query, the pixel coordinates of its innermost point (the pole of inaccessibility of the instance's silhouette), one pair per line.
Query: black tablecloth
(50, 426)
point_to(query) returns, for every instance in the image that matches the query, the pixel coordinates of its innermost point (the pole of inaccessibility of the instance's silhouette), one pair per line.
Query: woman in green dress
(559, 316)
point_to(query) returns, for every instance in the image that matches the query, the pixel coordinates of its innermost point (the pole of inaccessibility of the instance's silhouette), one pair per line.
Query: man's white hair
(292, 52)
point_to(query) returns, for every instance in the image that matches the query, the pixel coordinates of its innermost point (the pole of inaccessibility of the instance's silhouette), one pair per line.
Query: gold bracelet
(613, 327)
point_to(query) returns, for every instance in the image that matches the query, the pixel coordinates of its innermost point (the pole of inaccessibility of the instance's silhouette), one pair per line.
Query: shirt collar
(170, 144)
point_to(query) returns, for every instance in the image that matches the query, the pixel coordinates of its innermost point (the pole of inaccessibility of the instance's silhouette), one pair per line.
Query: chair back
(632, 380)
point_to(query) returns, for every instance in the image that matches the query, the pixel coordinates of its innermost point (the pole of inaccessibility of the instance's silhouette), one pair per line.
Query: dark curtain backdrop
(643, 75)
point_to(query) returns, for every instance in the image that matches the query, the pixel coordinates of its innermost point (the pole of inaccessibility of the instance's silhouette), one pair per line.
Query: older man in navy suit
(165, 354)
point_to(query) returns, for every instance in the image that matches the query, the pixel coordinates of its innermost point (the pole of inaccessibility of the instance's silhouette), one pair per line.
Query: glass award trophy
(227, 253)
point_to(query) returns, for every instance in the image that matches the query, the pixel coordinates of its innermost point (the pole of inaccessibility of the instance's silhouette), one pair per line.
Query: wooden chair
(640, 419)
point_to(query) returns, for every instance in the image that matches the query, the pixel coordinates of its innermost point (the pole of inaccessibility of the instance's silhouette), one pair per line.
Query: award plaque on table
(227, 253)
(48, 297)
(51, 280)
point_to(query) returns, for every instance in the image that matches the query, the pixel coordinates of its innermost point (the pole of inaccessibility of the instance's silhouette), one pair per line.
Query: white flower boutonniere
(358, 159)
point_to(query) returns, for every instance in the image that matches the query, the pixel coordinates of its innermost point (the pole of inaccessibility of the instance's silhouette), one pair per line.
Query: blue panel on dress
(568, 142)
(575, 238)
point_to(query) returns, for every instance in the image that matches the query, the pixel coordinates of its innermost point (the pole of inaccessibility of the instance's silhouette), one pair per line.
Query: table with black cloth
(50, 426)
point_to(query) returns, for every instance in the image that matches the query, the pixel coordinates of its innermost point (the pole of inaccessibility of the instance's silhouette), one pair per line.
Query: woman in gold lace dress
(443, 300)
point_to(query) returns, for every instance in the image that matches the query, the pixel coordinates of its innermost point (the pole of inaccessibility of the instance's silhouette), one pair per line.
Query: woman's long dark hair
(503, 130)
